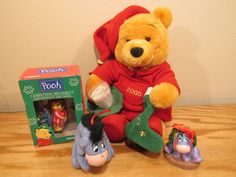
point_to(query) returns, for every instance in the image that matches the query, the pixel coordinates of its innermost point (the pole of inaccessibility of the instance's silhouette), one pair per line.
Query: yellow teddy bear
(133, 48)
(44, 137)
(43, 133)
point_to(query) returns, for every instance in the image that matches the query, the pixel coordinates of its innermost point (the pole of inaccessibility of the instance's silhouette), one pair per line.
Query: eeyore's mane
(96, 130)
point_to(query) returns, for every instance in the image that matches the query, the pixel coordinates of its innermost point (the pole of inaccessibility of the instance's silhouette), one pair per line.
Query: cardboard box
(53, 99)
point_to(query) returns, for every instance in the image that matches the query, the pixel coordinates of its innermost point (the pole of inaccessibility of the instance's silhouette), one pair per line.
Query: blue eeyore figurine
(181, 150)
(92, 147)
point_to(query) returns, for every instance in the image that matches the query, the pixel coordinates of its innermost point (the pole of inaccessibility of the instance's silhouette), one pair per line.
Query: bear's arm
(103, 73)
(92, 82)
(166, 90)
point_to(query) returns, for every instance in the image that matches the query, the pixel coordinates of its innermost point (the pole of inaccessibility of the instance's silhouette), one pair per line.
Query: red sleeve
(167, 75)
(107, 71)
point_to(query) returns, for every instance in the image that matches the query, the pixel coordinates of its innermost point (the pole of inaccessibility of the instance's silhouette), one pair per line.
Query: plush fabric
(91, 146)
(133, 47)
(139, 131)
(133, 85)
(106, 36)
(116, 131)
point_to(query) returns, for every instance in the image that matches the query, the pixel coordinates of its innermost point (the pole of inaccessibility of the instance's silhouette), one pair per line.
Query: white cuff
(148, 91)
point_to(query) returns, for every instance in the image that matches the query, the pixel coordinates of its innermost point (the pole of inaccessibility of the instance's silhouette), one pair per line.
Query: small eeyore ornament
(92, 147)
(181, 150)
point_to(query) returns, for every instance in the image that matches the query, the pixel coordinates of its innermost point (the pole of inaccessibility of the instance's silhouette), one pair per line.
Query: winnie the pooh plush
(133, 48)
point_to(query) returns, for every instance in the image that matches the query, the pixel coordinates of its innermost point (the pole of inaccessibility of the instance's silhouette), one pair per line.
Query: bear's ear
(164, 14)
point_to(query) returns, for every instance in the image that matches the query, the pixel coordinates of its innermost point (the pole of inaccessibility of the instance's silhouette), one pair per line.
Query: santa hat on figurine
(106, 36)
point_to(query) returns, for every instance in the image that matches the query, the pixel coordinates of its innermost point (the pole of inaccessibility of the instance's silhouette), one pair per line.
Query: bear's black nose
(136, 51)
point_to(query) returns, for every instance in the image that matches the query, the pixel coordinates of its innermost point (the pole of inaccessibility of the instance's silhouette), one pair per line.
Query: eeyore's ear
(108, 146)
(82, 138)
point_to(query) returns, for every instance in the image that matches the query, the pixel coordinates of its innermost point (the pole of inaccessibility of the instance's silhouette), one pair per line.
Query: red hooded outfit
(132, 84)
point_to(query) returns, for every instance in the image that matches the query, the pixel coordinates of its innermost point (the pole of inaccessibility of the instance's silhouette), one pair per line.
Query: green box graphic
(54, 102)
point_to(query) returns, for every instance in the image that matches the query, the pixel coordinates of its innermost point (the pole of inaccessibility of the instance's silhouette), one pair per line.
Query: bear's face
(143, 40)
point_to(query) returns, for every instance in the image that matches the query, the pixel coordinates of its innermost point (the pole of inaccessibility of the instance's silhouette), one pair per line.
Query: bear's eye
(127, 40)
(148, 39)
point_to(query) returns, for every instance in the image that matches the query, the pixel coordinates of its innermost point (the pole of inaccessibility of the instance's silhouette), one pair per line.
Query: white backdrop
(46, 33)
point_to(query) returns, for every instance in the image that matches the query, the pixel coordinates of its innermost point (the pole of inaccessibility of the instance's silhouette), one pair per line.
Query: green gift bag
(139, 132)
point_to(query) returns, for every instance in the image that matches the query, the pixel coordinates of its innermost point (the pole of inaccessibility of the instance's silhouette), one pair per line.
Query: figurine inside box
(54, 102)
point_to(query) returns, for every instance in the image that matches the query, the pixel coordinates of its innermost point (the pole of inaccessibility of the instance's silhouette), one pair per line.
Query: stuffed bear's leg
(155, 124)
(114, 126)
